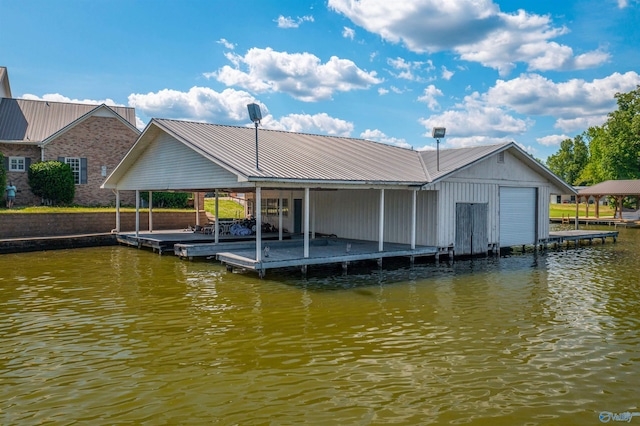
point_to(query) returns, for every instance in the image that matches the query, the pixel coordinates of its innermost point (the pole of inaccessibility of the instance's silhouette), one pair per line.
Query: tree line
(607, 152)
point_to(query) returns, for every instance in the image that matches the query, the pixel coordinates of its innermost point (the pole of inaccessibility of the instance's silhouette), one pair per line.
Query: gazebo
(619, 189)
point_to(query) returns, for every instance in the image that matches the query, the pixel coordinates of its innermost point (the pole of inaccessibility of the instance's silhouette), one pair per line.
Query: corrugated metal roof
(453, 159)
(286, 156)
(297, 156)
(34, 121)
(613, 187)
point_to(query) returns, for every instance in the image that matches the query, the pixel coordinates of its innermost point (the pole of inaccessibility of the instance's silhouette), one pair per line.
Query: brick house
(92, 139)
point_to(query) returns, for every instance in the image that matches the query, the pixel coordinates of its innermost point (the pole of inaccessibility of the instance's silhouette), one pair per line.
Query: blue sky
(534, 72)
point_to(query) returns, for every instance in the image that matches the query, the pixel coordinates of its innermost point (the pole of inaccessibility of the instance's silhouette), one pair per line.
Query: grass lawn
(558, 210)
(226, 209)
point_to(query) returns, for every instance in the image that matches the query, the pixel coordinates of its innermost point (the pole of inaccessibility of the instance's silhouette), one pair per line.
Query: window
(74, 163)
(501, 157)
(78, 167)
(270, 207)
(17, 164)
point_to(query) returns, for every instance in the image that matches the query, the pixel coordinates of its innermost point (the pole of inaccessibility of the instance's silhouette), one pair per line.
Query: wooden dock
(168, 240)
(284, 254)
(578, 235)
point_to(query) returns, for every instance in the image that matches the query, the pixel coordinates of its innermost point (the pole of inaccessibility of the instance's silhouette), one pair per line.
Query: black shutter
(83, 170)
(27, 163)
(61, 159)
(6, 163)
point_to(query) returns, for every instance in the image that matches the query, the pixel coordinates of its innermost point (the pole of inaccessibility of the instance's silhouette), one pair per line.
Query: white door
(518, 216)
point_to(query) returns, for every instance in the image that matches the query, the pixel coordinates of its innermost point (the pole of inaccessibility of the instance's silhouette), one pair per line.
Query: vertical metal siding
(169, 164)
(452, 192)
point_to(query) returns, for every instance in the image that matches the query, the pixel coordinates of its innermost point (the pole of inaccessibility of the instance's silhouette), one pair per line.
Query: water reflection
(116, 335)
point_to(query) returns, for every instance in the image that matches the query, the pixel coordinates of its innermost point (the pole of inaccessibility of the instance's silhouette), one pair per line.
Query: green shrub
(169, 200)
(52, 181)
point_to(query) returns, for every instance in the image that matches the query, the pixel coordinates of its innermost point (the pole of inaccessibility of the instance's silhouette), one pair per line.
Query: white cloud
(382, 91)
(407, 69)
(198, 104)
(304, 123)
(476, 29)
(574, 103)
(301, 75)
(552, 140)
(288, 22)
(349, 33)
(475, 121)
(446, 74)
(56, 97)
(429, 97)
(226, 43)
(378, 136)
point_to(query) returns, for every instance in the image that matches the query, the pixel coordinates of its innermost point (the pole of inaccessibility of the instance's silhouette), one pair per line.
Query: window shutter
(6, 163)
(83, 170)
(61, 159)
(27, 163)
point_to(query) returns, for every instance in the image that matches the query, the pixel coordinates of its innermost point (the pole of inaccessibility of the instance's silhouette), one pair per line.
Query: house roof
(305, 158)
(30, 121)
(613, 187)
(4, 81)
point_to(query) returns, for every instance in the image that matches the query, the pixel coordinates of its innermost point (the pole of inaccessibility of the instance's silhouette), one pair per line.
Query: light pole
(437, 133)
(255, 115)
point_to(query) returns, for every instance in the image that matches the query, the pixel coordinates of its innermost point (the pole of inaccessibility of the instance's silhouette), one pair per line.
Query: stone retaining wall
(23, 225)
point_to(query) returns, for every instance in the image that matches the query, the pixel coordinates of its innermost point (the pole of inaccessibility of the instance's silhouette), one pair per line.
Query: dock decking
(560, 237)
(283, 254)
(240, 252)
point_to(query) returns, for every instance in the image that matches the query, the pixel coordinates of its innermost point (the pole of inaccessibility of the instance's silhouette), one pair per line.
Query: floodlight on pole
(437, 133)
(255, 115)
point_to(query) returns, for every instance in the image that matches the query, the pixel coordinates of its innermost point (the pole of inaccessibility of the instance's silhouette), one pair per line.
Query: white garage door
(517, 216)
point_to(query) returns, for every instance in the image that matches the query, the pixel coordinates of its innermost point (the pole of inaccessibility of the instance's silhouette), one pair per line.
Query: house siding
(168, 164)
(103, 141)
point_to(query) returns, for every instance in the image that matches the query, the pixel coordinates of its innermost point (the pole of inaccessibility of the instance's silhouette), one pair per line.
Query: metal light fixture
(255, 115)
(437, 133)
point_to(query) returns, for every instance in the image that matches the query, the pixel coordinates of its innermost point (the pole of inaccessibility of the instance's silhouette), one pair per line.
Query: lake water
(117, 335)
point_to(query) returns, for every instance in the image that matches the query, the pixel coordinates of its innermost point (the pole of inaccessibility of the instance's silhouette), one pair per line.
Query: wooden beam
(150, 211)
(216, 216)
(381, 223)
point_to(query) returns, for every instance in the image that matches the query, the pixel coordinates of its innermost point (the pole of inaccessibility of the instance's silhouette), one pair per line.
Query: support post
(413, 219)
(381, 223)
(577, 210)
(117, 211)
(150, 211)
(258, 218)
(196, 204)
(216, 225)
(306, 222)
(280, 216)
(137, 213)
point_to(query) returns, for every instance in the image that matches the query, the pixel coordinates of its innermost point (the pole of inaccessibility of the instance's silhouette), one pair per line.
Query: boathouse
(461, 201)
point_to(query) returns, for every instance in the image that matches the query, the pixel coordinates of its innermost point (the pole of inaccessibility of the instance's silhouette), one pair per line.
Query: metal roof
(297, 156)
(305, 158)
(613, 187)
(24, 120)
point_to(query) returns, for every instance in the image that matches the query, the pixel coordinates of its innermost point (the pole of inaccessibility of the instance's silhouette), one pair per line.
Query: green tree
(622, 145)
(570, 160)
(52, 181)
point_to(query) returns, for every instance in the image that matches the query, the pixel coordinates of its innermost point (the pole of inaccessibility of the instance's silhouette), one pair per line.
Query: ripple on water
(114, 335)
